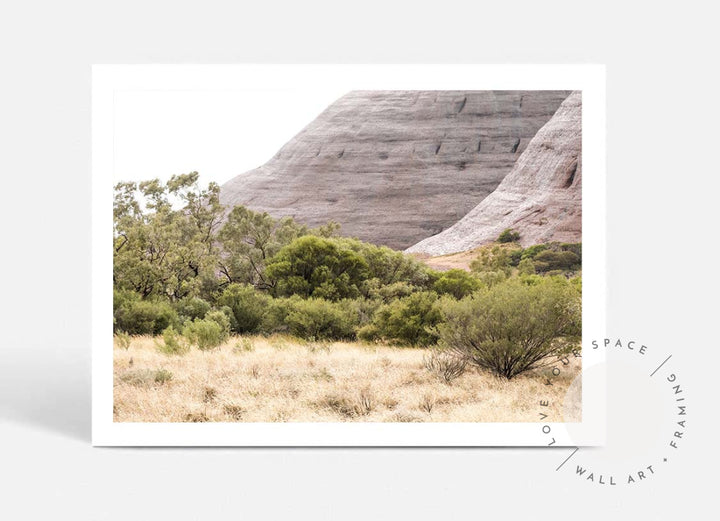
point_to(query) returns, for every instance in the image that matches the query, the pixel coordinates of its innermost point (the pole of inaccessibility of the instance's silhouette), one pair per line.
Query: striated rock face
(395, 167)
(541, 197)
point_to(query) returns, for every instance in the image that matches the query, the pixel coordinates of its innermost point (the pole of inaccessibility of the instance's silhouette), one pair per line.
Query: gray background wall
(662, 133)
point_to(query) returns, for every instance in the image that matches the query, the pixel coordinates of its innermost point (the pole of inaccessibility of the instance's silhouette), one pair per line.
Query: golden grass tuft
(280, 379)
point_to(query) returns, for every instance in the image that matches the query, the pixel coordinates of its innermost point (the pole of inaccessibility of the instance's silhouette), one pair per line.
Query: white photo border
(590, 79)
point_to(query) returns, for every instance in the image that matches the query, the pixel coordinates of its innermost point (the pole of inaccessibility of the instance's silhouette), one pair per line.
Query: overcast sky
(219, 133)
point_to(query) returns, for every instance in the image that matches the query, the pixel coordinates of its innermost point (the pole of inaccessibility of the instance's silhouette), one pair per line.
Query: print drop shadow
(47, 387)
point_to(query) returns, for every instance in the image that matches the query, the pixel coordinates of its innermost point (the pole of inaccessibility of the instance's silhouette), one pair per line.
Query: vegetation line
(192, 272)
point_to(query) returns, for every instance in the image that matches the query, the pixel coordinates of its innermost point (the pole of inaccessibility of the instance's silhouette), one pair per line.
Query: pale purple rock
(541, 198)
(395, 167)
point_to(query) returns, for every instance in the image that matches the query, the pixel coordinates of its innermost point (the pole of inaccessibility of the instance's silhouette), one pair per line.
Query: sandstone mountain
(395, 167)
(541, 197)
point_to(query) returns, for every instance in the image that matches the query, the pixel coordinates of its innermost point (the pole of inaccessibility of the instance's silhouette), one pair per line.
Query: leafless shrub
(350, 407)
(234, 411)
(366, 402)
(146, 377)
(339, 404)
(196, 417)
(390, 403)
(209, 394)
(404, 417)
(446, 366)
(427, 402)
(281, 416)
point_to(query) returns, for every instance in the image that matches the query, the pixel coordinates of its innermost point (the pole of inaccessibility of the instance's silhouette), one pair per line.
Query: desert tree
(249, 240)
(513, 327)
(164, 236)
(313, 266)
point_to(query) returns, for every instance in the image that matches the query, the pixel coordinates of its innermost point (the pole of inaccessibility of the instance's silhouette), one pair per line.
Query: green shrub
(515, 256)
(526, 267)
(173, 343)
(531, 279)
(555, 256)
(513, 327)
(492, 278)
(207, 333)
(374, 289)
(317, 267)
(244, 345)
(575, 247)
(508, 235)
(190, 308)
(410, 320)
(123, 297)
(123, 340)
(494, 258)
(143, 317)
(162, 376)
(313, 318)
(361, 310)
(531, 251)
(390, 266)
(221, 319)
(457, 283)
(549, 260)
(247, 305)
(577, 283)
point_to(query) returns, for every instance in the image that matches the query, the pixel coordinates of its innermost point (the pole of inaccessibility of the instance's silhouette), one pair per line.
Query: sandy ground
(460, 260)
(257, 379)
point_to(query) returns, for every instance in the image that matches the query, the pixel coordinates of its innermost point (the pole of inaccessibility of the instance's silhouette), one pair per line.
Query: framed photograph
(348, 255)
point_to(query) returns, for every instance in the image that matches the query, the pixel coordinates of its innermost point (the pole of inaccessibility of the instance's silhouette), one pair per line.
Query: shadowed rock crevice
(393, 167)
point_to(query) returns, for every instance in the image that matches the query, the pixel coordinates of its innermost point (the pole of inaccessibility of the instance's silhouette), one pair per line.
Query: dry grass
(257, 379)
(460, 260)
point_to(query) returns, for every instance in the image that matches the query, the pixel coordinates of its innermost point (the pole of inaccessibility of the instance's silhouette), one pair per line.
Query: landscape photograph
(406, 256)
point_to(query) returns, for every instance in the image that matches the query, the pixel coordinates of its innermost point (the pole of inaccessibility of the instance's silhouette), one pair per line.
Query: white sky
(219, 133)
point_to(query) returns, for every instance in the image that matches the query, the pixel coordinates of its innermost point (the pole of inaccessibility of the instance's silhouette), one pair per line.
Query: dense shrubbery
(313, 318)
(317, 267)
(182, 272)
(247, 307)
(513, 327)
(539, 258)
(457, 283)
(494, 258)
(549, 260)
(337, 268)
(409, 320)
(141, 317)
(190, 308)
(173, 343)
(209, 332)
(445, 365)
(508, 235)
